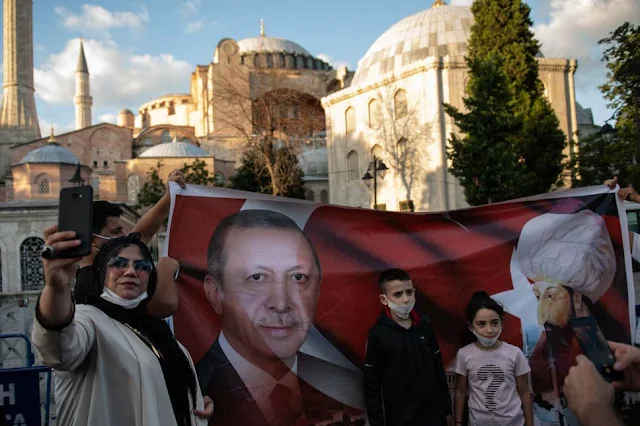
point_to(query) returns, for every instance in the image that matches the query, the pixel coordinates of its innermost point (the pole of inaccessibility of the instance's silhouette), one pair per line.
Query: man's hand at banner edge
(207, 412)
(627, 361)
(623, 193)
(589, 396)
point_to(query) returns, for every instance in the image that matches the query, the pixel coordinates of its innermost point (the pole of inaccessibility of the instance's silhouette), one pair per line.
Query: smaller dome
(271, 45)
(50, 153)
(174, 149)
(125, 111)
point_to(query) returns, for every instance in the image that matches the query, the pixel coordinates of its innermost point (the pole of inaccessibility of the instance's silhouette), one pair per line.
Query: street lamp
(376, 168)
(607, 132)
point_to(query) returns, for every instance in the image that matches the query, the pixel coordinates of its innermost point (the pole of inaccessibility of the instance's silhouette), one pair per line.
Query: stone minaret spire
(82, 100)
(18, 116)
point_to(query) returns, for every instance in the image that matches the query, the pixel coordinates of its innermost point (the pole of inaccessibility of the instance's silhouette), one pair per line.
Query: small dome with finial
(52, 152)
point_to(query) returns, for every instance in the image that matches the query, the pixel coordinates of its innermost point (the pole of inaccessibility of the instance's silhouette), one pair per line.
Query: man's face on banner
(554, 304)
(269, 291)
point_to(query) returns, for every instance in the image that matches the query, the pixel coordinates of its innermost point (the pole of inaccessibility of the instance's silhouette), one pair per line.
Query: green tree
(153, 189)
(502, 36)
(197, 174)
(622, 90)
(255, 174)
(601, 156)
(485, 156)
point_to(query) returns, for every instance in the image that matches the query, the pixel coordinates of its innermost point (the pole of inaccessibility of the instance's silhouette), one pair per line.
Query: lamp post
(376, 167)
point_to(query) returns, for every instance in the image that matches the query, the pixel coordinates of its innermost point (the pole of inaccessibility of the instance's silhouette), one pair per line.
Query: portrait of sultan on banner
(277, 295)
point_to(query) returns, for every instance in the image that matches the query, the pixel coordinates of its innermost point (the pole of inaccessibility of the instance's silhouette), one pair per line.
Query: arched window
(350, 120)
(400, 103)
(165, 137)
(256, 61)
(31, 264)
(324, 196)
(377, 152)
(545, 89)
(353, 168)
(45, 188)
(133, 188)
(375, 114)
(311, 196)
(1, 271)
(269, 60)
(219, 179)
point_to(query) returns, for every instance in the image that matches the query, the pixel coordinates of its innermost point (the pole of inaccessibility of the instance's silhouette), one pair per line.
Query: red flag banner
(277, 319)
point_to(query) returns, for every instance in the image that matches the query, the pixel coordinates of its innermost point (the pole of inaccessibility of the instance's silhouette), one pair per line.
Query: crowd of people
(117, 362)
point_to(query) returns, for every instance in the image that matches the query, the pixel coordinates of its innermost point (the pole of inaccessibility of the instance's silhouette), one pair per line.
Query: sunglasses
(139, 265)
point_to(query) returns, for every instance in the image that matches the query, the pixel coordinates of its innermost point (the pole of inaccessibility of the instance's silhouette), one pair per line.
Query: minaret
(82, 100)
(18, 116)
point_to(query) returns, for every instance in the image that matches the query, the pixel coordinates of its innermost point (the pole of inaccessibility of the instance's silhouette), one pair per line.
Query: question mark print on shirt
(498, 379)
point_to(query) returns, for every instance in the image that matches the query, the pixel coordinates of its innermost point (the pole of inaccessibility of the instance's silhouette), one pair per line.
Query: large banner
(277, 319)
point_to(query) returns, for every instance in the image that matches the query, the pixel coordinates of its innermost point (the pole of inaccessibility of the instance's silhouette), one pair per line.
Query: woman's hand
(59, 272)
(207, 412)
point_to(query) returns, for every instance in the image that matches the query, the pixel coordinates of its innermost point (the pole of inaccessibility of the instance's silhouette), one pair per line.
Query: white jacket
(105, 375)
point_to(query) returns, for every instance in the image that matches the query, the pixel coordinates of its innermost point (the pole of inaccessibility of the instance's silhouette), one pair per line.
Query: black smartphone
(75, 213)
(595, 347)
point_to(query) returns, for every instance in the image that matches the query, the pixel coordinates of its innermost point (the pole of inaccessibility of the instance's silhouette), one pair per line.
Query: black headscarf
(176, 369)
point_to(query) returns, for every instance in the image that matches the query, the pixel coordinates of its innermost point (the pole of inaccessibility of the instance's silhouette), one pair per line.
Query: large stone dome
(174, 149)
(50, 153)
(264, 44)
(438, 31)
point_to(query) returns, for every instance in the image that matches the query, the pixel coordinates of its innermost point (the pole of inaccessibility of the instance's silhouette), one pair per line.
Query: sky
(138, 50)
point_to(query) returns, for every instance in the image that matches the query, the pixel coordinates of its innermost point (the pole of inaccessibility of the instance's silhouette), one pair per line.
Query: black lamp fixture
(376, 168)
(76, 179)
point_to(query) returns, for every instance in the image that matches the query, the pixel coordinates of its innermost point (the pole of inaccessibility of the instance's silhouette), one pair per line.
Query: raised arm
(153, 219)
(61, 341)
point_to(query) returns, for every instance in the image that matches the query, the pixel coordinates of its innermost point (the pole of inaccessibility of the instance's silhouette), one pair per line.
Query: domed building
(393, 110)
(43, 172)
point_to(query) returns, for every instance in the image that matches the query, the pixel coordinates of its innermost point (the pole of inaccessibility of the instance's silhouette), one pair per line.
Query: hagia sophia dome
(437, 31)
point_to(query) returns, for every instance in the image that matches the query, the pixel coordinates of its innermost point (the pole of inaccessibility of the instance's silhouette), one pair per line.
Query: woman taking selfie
(115, 364)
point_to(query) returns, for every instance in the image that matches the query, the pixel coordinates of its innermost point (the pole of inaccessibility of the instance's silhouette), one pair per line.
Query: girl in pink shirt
(492, 371)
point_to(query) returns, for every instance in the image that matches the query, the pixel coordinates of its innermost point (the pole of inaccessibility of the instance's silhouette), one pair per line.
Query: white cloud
(573, 31)
(461, 2)
(334, 63)
(107, 118)
(193, 27)
(118, 76)
(98, 20)
(191, 7)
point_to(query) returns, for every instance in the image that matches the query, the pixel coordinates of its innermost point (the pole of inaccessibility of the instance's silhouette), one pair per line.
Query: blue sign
(20, 396)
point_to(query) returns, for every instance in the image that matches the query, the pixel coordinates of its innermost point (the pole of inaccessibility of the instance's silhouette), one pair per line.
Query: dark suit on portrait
(235, 405)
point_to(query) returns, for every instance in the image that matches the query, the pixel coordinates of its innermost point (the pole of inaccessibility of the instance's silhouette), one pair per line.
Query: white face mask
(402, 311)
(111, 297)
(487, 343)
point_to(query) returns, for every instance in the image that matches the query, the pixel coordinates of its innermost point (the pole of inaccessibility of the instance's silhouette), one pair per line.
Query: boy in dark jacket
(404, 381)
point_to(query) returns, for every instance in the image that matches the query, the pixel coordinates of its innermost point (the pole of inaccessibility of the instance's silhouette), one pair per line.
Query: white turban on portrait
(573, 250)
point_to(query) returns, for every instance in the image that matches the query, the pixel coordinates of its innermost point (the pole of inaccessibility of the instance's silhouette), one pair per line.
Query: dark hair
(248, 219)
(394, 274)
(111, 249)
(101, 211)
(482, 300)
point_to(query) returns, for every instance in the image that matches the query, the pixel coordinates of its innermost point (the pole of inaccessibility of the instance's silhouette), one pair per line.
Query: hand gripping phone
(595, 347)
(75, 213)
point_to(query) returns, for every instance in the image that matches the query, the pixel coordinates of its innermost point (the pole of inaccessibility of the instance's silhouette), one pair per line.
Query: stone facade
(398, 115)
